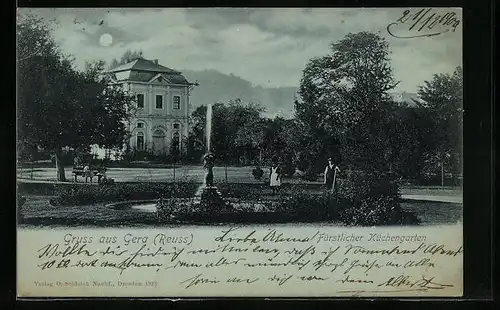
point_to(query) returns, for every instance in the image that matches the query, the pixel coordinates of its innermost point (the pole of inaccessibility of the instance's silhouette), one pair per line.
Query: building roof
(143, 70)
(141, 64)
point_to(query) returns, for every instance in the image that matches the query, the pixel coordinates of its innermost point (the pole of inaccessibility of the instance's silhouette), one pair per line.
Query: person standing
(330, 174)
(87, 173)
(275, 177)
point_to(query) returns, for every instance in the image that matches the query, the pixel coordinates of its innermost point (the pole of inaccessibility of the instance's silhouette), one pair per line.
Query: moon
(106, 39)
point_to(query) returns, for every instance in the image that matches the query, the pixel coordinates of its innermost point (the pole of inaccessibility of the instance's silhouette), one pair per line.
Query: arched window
(140, 141)
(176, 126)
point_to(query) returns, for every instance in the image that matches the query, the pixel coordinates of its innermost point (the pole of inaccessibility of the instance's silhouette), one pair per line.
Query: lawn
(38, 211)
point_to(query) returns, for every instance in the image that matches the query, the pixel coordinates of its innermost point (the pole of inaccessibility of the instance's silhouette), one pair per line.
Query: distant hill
(216, 86)
(219, 87)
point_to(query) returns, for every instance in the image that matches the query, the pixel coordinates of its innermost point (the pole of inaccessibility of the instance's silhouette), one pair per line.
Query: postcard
(239, 152)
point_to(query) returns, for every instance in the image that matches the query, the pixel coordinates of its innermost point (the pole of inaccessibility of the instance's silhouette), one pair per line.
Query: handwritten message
(422, 22)
(236, 261)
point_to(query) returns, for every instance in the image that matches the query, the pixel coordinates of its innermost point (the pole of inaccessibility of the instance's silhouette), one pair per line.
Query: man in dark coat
(330, 174)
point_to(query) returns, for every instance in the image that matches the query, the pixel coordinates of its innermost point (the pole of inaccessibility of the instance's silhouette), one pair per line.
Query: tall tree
(344, 100)
(443, 101)
(197, 144)
(59, 106)
(407, 132)
(247, 127)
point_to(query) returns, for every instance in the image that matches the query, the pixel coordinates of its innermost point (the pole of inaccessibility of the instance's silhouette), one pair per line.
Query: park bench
(78, 171)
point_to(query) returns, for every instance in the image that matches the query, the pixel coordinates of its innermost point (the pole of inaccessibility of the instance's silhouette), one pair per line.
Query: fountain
(208, 196)
(207, 200)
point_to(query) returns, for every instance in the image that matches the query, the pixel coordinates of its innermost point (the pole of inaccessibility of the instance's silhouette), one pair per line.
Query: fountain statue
(208, 163)
(209, 195)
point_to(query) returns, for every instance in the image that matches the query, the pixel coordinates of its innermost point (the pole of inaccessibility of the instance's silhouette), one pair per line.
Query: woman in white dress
(275, 178)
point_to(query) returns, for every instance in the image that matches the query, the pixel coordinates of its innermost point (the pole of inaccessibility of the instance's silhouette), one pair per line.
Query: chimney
(155, 61)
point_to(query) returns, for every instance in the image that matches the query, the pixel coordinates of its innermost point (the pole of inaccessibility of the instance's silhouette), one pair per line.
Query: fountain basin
(189, 210)
(256, 212)
(150, 206)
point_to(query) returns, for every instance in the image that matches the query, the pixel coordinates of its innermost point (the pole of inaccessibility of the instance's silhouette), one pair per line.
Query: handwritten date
(423, 23)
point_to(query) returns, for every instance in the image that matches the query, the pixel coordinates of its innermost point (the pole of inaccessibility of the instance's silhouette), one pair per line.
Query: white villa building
(162, 102)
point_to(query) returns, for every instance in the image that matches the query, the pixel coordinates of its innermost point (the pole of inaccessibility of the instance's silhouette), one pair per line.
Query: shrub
(257, 173)
(288, 168)
(107, 181)
(303, 161)
(307, 206)
(359, 186)
(84, 194)
(168, 209)
(310, 174)
(374, 200)
(241, 190)
(35, 188)
(378, 211)
(186, 209)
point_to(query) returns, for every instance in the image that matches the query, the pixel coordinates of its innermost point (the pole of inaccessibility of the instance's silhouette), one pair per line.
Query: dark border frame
(479, 167)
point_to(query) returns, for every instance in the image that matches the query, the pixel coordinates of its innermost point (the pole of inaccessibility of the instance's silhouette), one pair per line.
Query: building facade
(161, 120)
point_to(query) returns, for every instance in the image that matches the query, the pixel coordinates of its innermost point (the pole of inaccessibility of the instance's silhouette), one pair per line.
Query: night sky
(268, 47)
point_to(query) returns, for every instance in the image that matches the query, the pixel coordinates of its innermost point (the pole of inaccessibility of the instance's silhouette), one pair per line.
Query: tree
(236, 130)
(407, 129)
(197, 146)
(345, 99)
(443, 102)
(127, 57)
(250, 137)
(248, 128)
(59, 106)
(220, 138)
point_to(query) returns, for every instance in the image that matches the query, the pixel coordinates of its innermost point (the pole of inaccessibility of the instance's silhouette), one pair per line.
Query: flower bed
(362, 199)
(239, 212)
(293, 205)
(82, 195)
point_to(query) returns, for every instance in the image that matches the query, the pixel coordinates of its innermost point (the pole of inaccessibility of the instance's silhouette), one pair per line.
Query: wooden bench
(78, 171)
